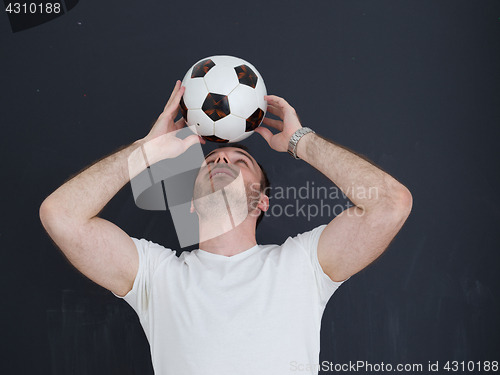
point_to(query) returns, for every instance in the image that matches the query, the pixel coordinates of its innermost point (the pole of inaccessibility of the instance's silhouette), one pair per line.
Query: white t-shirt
(257, 312)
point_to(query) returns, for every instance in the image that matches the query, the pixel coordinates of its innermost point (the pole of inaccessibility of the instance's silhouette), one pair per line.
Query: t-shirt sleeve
(150, 257)
(309, 242)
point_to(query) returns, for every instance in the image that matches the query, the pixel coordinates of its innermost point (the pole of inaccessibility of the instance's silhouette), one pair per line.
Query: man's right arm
(96, 247)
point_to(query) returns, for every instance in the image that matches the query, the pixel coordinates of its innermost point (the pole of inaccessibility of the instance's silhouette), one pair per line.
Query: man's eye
(237, 161)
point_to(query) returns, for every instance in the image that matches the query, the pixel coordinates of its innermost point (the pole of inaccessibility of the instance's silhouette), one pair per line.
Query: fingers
(191, 140)
(276, 101)
(172, 94)
(265, 133)
(179, 124)
(276, 124)
(275, 110)
(279, 107)
(175, 97)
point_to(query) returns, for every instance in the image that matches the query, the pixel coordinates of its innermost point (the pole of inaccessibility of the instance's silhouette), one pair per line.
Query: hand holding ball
(224, 99)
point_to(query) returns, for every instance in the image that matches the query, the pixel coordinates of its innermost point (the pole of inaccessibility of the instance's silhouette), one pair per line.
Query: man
(232, 306)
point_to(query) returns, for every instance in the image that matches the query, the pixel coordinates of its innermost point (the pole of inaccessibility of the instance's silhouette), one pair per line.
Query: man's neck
(231, 241)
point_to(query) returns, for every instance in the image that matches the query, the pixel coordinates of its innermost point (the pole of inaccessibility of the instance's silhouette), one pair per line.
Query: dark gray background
(413, 85)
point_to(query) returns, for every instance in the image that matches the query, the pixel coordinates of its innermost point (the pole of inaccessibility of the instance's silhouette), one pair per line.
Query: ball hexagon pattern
(224, 99)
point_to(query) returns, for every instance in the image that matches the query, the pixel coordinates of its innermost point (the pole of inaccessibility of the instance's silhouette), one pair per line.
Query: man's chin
(219, 182)
(222, 202)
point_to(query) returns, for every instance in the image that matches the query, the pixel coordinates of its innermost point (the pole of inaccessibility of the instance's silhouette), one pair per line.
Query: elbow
(56, 223)
(396, 203)
(404, 198)
(48, 213)
(402, 202)
(45, 212)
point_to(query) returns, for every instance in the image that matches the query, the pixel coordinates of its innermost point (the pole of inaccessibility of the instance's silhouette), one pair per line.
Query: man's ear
(192, 206)
(263, 203)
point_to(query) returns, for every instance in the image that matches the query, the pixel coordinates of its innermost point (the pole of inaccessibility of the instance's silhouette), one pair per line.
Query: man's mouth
(221, 171)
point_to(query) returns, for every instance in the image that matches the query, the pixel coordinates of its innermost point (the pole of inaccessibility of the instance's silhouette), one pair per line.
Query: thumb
(265, 133)
(191, 140)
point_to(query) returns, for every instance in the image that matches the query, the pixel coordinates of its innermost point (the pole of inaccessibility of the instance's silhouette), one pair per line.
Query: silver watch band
(294, 139)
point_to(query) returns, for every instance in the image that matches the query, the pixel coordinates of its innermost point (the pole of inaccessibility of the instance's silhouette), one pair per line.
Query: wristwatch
(294, 139)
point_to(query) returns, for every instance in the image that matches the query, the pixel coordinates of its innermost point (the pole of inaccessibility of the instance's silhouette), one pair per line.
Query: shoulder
(306, 240)
(149, 245)
(151, 252)
(305, 243)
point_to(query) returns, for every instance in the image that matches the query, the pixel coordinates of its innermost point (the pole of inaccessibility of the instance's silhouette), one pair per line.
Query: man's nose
(222, 159)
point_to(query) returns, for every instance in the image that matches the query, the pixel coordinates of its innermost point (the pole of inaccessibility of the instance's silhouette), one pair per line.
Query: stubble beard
(237, 202)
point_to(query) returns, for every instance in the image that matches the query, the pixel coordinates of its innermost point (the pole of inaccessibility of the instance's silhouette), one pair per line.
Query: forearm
(85, 195)
(366, 185)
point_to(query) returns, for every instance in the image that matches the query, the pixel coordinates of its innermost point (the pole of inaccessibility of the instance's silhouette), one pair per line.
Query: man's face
(223, 165)
(222, 169)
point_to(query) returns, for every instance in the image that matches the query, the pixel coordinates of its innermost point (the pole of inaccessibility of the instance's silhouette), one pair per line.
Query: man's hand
(161, 142)
(290, 123)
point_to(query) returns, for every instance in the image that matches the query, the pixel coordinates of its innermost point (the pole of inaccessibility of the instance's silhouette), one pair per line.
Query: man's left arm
(356, 237)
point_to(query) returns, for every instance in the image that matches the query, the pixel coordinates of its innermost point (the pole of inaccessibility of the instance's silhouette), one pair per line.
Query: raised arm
(96, 247)
(357, 236)
(361, 233)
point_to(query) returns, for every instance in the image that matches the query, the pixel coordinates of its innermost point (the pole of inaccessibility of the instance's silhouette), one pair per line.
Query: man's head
(222, 166)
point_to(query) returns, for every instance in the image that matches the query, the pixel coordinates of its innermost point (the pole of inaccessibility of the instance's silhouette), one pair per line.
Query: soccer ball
(224, 99)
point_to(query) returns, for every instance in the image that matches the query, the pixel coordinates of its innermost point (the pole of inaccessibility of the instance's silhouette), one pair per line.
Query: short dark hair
(265, 184)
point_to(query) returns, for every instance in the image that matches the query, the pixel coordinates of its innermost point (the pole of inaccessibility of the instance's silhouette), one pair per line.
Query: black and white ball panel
(224, 98)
